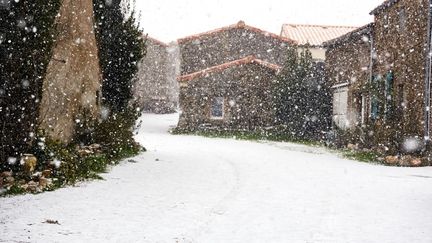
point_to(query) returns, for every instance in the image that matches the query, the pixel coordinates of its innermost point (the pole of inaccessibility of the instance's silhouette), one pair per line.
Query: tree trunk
(73, 79)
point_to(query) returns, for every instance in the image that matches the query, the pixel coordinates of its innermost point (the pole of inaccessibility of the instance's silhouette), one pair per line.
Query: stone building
(401, 68)
(227, 77)
(156, 89)
(312, 37)
(394, 104)
(72, 85)
(235, 95)
(227, 44)
(348, 71)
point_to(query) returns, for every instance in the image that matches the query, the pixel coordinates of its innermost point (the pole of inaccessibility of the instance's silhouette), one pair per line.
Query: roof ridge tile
(223, 66)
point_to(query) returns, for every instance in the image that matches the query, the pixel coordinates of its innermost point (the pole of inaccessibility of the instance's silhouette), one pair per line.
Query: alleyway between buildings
(195, 189)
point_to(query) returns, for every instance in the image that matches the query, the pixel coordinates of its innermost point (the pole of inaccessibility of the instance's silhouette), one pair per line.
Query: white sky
(168, 20)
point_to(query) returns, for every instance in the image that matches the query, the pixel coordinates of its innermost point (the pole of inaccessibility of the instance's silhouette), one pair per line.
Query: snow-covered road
(194, 189)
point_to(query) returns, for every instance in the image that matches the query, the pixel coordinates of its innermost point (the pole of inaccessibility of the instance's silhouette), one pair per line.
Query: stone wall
(73, 79)
(400, 43)
(246, 87)
(156, 88)
(348, 67)
(395, 92)
(228, 44)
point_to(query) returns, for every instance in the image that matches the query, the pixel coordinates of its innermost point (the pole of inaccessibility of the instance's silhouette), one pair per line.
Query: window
(386, 22)
(363, 108)
(374, 108)
(97, 97)
(217, 108)
(389, 95)
(360, 107)
(377, 102)
(340, 107)
(401, 100)
(402, 20)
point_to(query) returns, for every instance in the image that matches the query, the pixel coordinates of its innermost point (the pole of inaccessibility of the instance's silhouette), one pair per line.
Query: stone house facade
(227, 44)
(227, 75)
(236, 95)
(401, 68)
(156, 89)
(396, 100)
(348, 71)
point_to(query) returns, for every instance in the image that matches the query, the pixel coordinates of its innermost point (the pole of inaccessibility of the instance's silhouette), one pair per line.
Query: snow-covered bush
(121, 47)
(302, 98)
(26, 37)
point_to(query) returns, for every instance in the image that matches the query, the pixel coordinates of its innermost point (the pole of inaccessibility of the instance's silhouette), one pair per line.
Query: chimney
(241, 24)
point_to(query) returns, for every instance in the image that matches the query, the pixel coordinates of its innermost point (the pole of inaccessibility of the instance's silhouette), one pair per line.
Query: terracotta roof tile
(219, 68)
(314, 35)
(239, 25)
(359, 32)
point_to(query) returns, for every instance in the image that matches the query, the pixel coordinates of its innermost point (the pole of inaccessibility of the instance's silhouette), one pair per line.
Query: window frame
(214, 102)
(402, 19)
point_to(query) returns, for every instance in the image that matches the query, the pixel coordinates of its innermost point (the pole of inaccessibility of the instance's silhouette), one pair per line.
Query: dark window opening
(97, 97)
(217, 108)
(389, 107)
(402, 20)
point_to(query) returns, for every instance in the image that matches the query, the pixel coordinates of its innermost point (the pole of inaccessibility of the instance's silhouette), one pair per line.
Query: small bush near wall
(302, 98)
(377, 143)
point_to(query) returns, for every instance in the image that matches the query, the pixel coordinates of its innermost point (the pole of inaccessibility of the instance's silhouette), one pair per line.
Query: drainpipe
(428, 77)
(372, 50)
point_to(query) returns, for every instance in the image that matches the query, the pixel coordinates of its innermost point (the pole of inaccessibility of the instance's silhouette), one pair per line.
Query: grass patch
(362, 156)
(248, 135)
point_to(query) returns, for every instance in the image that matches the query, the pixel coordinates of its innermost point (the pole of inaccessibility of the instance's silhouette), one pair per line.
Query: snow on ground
(194, 189)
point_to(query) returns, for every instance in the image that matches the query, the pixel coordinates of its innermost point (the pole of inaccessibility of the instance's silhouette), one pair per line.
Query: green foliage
(121, 47)
(116, 136)
(302, 98)
(79, 168)
(14, 190)
(27, 33)
(286, 82)
(278, 134)
(84, 130)
(69, 166)
(363, 156)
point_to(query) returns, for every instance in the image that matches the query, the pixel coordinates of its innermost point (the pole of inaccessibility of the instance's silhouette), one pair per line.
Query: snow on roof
(219, 68)
(386, 4)
(313, 35)
(239, 25)
(359, 32)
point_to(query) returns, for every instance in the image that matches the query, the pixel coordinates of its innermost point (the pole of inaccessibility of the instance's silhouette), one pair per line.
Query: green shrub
(278, 134)
(116, 136)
